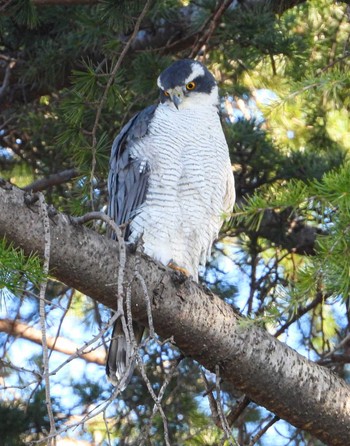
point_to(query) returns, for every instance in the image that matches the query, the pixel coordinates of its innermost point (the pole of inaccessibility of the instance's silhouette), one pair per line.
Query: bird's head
(187, 83)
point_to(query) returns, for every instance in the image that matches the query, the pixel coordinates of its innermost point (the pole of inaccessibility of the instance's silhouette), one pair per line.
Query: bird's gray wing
(128, 175)
(127, 187)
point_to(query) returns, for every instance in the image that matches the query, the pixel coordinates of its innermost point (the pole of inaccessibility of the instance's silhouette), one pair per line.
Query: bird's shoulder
(135, 129)
(128, 173)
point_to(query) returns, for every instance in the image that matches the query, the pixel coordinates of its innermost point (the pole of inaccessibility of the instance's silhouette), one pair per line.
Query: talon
(176, 267)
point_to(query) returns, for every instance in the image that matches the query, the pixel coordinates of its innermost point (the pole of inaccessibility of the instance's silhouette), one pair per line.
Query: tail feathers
(121, 361)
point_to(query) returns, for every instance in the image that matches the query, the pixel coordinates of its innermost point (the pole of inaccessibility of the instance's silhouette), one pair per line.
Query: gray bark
(203, 326)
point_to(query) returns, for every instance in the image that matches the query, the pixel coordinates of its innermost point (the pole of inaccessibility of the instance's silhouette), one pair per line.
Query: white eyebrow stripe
(160, 85)
(197, 70)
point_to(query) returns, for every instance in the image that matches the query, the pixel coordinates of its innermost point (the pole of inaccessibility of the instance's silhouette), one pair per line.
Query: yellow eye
(166, 93)
(191, 86)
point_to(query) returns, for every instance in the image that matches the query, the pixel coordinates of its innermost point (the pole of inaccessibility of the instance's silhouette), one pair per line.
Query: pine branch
(152, 37)
(110, 81)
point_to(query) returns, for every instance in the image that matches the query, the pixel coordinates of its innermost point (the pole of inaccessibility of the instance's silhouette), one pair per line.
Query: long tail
(120, 360)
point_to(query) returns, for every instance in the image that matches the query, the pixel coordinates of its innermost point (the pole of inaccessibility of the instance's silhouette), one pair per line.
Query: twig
(334, 62)
(65, 312)
(42, 292)
(81, 351)
(100, 408)
(238, 410)
(95, 215)
(5, 83)
(4, 363)
(156, 399)
(168, 378)
(330, 355)
(90, 414)
(139, 277)
(5, 5)
(226, 428)
(47, 301)
(263, 430)
(141, 366)
(300, 312)
(212, 402)
(107, 428)
(127, 327)
(209, 27)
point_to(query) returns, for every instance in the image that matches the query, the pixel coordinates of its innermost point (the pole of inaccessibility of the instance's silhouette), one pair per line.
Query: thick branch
(59, 344)
(203, 326)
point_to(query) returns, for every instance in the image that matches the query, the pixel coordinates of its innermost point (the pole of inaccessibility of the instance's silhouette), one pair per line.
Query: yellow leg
(176, 267)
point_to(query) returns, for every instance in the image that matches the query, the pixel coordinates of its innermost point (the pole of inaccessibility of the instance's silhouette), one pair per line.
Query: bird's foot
(173, 265)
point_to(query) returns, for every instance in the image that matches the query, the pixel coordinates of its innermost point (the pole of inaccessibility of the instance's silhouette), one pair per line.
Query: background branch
(52, 180)
(58, 344)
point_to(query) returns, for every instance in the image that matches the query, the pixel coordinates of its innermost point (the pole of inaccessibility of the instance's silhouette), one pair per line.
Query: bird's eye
(166, 93)
(191, 86)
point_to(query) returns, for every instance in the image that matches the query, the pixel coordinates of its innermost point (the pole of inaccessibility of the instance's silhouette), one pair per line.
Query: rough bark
(202, 325)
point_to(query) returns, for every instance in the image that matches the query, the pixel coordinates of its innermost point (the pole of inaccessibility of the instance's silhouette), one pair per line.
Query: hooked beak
(176, 96)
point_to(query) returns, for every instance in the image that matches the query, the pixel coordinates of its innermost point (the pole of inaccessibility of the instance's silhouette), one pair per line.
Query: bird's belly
(181, 216)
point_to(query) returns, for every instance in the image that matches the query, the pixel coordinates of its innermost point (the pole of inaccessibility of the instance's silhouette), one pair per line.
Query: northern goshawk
(171, 180)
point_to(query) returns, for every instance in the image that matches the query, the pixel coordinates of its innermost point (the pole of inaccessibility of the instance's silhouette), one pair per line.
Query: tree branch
(52, 180)
(284, 230)
(60, 344)
(10, 64)
(267, 371)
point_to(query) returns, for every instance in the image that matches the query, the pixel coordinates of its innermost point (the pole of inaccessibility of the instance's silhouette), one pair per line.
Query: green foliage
(281, 196)
(16, 269)
(23, 421)
(12, 420)
(325, 205)
(24, 13)
(333, 249)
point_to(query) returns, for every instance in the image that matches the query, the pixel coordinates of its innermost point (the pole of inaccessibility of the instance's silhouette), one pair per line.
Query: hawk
(171, 181)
